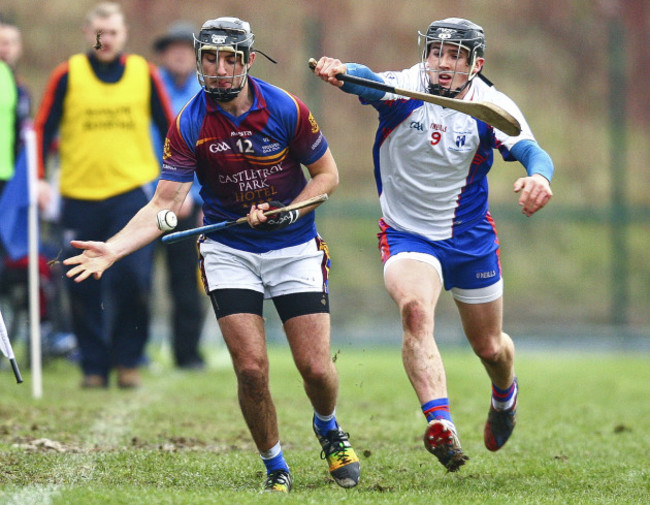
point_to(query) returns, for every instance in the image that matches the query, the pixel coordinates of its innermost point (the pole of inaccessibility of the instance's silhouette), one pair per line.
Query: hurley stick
(487, 112)
(210, 228)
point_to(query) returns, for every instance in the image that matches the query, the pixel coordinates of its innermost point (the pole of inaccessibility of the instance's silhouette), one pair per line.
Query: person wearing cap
(247, 141)
(177, 69)
(431, 166)
(177, 64)
(101, 104)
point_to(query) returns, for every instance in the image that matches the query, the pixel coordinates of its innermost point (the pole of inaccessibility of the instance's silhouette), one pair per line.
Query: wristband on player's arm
(533, 158)
(368, 94)
(280, 220)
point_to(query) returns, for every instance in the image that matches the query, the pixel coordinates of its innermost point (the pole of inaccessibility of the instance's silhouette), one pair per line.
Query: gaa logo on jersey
(219, 147)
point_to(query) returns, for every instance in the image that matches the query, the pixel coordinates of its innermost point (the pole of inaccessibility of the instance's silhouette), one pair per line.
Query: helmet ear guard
(457, 32)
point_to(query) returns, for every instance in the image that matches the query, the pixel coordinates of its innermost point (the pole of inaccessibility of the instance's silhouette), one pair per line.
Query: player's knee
(492, 349)
(252, 380)
(316, 371)
(415, 316)
(487, 353)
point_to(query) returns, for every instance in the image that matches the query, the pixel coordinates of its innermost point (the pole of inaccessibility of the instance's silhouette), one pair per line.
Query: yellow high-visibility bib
(105, 144)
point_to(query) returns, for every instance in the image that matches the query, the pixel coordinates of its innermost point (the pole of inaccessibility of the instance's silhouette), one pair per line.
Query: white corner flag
(33, 275)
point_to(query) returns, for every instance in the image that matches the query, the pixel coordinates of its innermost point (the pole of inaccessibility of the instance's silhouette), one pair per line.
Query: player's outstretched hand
(95, 260)
(535, 192)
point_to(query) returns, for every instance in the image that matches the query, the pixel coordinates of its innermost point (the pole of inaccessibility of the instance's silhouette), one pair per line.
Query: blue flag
(14, 204)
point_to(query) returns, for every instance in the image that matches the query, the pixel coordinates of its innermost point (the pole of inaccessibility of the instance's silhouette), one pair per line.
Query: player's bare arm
(97, 257)
(535, 193)
(324, 178)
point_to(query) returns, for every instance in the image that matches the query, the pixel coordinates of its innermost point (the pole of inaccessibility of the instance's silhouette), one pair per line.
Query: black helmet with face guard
(460, 33)
(225, 34)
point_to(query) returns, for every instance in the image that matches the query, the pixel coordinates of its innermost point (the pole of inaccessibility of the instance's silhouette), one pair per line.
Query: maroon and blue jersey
(246, 160)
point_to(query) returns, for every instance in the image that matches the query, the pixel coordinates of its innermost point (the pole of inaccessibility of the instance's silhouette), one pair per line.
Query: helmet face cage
(229, 35)
(459, 33)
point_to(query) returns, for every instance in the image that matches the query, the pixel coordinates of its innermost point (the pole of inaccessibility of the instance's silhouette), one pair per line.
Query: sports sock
(437, 409)
(274, 459)
(323, 424)
(504, 399)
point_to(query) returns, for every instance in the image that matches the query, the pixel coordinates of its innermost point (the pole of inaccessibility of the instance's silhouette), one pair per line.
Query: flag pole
(33, 273)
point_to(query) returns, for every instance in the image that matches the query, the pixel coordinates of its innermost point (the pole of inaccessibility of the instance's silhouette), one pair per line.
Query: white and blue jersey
(246, 160)
(431, 162)
(430, 166)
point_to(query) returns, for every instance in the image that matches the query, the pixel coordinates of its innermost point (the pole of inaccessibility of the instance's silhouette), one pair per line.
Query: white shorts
(296, 269)
(473, 296)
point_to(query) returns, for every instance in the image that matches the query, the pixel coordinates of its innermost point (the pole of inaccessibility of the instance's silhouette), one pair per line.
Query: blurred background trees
(583, 261)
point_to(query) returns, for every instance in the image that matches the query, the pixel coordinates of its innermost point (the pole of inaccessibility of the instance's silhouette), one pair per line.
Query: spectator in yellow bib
(101, 104)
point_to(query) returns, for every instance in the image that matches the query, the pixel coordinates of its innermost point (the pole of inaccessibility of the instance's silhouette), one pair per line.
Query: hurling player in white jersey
(431, 164)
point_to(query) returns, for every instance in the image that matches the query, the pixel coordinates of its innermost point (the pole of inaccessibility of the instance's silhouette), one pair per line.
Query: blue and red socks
(437, 409)
(504, 399)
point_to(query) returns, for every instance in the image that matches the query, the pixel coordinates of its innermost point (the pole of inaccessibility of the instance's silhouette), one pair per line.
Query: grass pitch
(583, 436)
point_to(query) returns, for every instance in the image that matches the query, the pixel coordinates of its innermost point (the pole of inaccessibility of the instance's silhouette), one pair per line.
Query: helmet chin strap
(436, 89)
(220, 96)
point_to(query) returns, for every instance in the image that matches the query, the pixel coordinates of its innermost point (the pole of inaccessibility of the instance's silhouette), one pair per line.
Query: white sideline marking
(34, 495)
(111, 425)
